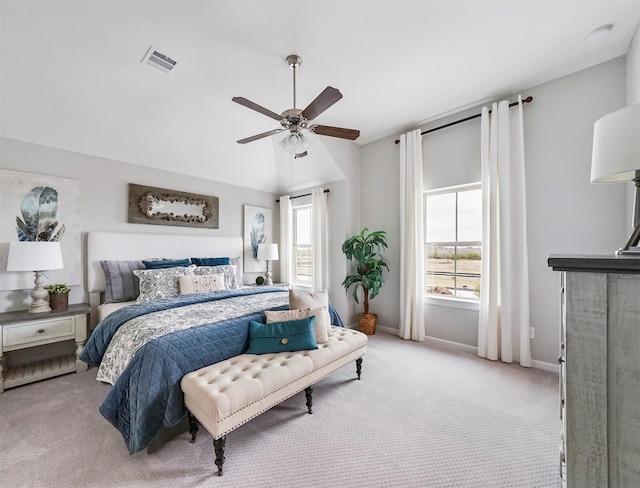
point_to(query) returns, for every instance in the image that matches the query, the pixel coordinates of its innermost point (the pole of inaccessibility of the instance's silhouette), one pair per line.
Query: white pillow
(319, 305)
(160, 283)
(201, 284)
(229, 271)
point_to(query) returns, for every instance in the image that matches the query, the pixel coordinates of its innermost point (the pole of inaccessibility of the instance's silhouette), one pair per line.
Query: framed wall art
(257, 230)
(43, 208)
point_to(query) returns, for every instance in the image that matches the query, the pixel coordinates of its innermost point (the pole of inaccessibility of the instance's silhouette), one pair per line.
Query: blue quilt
(147, 396)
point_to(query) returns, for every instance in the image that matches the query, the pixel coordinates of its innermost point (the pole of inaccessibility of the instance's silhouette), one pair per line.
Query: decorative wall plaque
(159, 206)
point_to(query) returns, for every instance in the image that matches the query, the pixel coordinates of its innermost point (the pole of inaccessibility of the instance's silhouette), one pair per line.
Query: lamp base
(39, 296)
(267, 276)
(631, 247)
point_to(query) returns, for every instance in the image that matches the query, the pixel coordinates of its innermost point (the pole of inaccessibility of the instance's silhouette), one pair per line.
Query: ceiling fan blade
(322, 102)
(259, 136)
(254, 106)
(301, 155)
(326, 130)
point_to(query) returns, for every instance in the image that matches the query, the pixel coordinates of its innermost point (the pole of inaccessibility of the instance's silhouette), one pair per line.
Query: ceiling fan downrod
(294, 61)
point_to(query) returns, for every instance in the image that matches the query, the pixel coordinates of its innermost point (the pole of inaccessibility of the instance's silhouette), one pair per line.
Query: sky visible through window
(453, 250)
(303, 227)
(441, 217)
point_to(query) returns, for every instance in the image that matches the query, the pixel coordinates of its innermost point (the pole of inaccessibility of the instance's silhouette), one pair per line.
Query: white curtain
(319, 233)
(504, 298)
(411, 238)
(286, 238)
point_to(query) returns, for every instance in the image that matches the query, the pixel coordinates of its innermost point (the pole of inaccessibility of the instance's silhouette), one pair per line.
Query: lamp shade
(268, 252)
(34, 256)
(616, 146)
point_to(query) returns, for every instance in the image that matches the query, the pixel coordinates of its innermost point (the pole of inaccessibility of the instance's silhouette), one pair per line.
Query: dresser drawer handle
(40, 331)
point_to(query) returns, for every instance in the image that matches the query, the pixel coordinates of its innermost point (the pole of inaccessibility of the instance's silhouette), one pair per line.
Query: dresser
(599, 370)
(22, 331)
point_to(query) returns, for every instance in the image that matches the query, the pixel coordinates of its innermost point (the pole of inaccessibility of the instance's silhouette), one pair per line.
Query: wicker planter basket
(367, 323)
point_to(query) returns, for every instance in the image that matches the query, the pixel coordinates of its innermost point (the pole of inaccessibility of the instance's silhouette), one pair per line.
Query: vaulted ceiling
(71, 74)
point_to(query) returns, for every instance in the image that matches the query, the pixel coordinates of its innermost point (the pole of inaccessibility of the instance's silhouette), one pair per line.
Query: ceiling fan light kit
(295, 120)
(294, 142)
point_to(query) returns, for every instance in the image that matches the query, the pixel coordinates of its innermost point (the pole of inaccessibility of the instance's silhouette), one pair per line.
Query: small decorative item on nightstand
(58, 296)
(259, 280)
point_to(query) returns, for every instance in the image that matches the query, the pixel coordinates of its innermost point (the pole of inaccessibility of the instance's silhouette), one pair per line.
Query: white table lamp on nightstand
(38, 257)
(616, 158)
(268, 253)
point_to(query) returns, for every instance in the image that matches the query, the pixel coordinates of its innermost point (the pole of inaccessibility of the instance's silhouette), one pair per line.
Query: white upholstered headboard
(125, 246)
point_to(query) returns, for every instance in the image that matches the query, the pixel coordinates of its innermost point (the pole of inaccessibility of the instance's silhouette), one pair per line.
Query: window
(453, 247)
(302, 251)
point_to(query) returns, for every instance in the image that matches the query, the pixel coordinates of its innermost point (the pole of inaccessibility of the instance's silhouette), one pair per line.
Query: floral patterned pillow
(160, 283)
(229, 271)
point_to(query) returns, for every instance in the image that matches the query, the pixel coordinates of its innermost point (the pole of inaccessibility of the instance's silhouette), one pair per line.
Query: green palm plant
(365, 249)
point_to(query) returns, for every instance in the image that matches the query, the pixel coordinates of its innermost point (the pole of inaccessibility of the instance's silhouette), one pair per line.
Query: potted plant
(58, 296)
(365, 249)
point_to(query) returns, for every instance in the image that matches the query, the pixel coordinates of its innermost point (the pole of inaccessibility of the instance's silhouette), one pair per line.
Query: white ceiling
(71, 75)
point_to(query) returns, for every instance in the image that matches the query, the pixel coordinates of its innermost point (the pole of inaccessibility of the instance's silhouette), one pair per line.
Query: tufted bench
(227, 394)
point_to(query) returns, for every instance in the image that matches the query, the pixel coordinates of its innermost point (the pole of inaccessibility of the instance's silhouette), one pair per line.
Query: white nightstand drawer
(30, 333)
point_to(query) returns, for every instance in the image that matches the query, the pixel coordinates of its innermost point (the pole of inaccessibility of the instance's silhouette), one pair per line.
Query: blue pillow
(211, 261)
(293, 335)
(121, 284)
(166, 263)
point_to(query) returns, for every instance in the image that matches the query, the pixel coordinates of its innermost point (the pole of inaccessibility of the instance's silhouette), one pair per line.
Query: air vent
(158, 60)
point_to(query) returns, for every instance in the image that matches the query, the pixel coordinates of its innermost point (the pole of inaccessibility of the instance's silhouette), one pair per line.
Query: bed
(145, 348)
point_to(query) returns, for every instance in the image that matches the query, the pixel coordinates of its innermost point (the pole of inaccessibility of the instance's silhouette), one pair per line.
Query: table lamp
(268, 253)
(616, 158)
(38, 257)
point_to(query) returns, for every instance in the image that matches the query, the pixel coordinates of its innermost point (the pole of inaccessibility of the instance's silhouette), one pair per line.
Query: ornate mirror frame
(159, 206)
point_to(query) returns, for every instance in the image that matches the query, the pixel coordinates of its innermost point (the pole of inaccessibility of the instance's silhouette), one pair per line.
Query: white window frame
(447, 300)
(295, 247)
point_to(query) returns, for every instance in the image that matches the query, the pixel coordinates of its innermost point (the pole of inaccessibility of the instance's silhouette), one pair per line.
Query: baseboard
(554, 368)
(455, 345)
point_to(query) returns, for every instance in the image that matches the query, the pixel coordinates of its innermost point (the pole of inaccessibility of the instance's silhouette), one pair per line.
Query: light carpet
(422, 416)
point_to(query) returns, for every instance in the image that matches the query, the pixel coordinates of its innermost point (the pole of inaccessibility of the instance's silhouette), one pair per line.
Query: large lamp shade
(267, 252)
(38, 257)
(34, 256)
(616, 158)
(616, 146)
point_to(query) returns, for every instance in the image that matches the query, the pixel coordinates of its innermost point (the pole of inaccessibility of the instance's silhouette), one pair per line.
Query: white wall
(565, 212)
(633, 69)
(633, 97)
(104, 200)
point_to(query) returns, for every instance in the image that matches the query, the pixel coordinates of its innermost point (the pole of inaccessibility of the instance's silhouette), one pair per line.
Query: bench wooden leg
(218, 446)
(309, 393)
(193, 426)
(358, 367)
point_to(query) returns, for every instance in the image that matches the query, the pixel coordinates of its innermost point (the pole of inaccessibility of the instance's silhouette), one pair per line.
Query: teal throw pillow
(211, 261)
(293, 335)
(167, 263)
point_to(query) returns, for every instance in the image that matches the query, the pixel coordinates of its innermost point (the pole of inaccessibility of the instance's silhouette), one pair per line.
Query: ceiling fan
(295, 120)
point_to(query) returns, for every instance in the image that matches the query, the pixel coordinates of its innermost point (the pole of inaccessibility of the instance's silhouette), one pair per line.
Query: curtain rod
(326, 190)
(524, 100)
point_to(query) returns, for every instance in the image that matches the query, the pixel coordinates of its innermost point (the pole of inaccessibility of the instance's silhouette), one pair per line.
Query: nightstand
(279, 285)
(22, 330)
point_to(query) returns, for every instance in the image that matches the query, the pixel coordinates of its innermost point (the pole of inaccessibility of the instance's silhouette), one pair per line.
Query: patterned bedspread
(146, 395)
